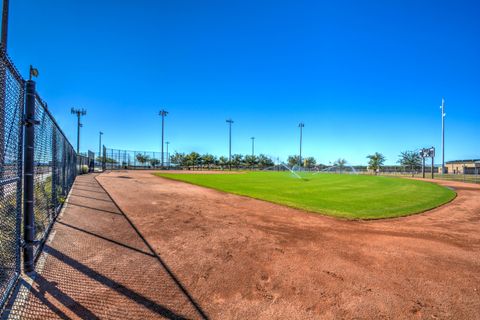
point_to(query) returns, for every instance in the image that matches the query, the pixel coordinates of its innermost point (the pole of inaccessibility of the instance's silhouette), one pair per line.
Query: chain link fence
(115, 159)
(54, 171)
(11, 108)
(52, 166)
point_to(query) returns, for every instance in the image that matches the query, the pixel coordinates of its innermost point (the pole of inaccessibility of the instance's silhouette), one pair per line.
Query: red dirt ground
(241, 258)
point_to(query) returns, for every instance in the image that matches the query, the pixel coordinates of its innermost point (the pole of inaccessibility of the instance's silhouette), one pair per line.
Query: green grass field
(339, 195)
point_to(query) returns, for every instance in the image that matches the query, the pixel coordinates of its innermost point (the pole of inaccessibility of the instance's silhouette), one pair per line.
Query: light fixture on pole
(79, 113)
(163, 114)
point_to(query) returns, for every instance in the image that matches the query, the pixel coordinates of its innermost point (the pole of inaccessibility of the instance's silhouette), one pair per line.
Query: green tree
(142, 159)
(293, 160)
(411, 160)
(237, 160)
(264, 161)
(223, 162)
(340, 163)
(375, 162)
(208, 160)
(193, 159)
(309, 162)
(178, 159)
(154, 162)
(251, 160)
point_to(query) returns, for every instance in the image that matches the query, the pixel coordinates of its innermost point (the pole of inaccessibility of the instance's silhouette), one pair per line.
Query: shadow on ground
(98, 266)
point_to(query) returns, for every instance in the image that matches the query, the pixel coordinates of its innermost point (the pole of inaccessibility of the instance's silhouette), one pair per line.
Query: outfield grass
(339, 195)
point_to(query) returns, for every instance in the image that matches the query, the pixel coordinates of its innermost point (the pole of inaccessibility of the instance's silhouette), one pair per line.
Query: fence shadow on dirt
(100, 266)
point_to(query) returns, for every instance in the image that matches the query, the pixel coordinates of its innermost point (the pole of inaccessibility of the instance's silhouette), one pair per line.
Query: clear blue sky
(364, 76)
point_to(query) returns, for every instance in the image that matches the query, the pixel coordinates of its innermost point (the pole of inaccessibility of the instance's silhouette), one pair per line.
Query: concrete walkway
(98, 266)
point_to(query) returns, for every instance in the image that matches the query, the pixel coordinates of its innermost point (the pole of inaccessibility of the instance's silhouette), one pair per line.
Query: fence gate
(11, 110)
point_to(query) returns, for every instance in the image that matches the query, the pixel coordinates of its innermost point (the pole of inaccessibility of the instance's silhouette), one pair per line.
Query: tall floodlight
(443, 134)
(230, 121)
(300, 125)
(79, 113)
(253, 146)
(5, 24)
(168, 157)
(100, 134)
(163, 114)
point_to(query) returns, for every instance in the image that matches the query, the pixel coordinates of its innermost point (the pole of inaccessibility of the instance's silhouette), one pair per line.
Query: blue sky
(364, 76)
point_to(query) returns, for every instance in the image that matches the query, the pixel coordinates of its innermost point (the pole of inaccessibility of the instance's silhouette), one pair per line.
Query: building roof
(464, 161)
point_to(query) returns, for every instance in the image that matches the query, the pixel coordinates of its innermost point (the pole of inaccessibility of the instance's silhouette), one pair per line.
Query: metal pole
(253, 146)
(230, 121)
(163, 113)
(433, 165)
(100, 133)
(5, 24)
(301, 125)
(168, 158)
(423, 167)
(28, 195)
(443, 135)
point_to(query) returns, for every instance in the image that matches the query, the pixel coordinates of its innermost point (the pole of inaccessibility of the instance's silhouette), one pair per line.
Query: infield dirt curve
(241, 258)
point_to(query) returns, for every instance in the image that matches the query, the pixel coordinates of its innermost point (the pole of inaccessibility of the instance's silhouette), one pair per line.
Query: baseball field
(340, 195)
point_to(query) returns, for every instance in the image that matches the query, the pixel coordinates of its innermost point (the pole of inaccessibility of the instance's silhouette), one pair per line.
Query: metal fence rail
(11, 108)
(115, 159)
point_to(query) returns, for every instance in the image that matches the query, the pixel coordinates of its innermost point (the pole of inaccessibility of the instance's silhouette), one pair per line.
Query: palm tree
(293, 160)
(340, 163)
(208, 160)
(251, 160)
(410, 159)
(237, 160)
(193, 159)
(376, 161)
(264, 161)
(310, 162)
(142, 158)
(223, 161)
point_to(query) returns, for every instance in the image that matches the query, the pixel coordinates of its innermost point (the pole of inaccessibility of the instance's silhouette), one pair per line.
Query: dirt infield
(242, 258)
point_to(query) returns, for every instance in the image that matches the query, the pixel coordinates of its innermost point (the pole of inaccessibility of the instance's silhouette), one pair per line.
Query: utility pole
(163, 114)
(100, 133)
(443, 135)
(253, 146)
(300, 125)
(79, 113)
(230, 121)
(5, 24)
(168, 158)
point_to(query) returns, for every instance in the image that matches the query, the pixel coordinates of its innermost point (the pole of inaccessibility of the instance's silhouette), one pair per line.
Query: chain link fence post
(29, 156)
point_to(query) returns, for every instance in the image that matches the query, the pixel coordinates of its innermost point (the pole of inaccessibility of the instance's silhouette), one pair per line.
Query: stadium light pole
(300, 125)
(163, 114)
(443, 134)
(168, 158)
(253, 146)
(79, 113)
(230, 121)
(5, 24)
(100, 134)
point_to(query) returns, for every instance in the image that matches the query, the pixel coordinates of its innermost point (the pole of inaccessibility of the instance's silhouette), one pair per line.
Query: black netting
(11, 107)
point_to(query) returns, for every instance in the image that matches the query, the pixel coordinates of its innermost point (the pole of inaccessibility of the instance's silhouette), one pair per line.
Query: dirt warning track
(243, 258)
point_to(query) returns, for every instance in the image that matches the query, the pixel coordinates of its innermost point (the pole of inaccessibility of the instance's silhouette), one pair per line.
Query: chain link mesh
(11, 107)
(55, 171)
(116, 159)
